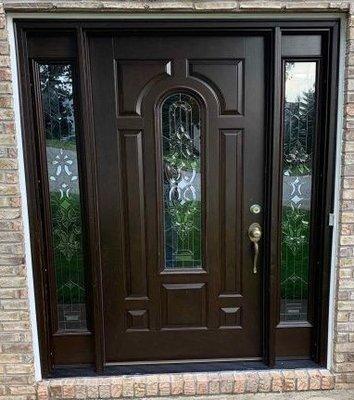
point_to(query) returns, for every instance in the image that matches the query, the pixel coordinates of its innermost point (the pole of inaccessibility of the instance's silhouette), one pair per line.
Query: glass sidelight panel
(298, 130)
(56, 82)
(181, 153)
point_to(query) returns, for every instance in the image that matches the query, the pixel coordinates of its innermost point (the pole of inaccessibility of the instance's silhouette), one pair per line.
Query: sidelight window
(298, 129)
(65, 222)
(181, 154)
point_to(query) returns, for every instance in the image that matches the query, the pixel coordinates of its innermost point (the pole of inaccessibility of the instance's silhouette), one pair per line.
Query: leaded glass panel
(56, 82)
(299, 130)
(181, 154)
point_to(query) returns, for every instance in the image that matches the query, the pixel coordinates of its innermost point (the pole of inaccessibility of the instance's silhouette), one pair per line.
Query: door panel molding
(231, 189)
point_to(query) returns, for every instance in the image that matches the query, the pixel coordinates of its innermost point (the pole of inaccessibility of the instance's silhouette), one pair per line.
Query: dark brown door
(179, 136)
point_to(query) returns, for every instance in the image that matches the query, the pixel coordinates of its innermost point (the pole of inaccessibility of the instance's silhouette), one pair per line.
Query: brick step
(188, 384)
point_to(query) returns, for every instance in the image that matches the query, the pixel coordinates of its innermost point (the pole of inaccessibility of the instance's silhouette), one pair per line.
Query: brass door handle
(255, 234)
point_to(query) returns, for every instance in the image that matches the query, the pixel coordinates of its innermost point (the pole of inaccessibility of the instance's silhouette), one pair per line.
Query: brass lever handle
(255, 234)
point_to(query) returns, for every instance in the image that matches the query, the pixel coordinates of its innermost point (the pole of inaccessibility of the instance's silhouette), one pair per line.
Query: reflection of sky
(300, 78)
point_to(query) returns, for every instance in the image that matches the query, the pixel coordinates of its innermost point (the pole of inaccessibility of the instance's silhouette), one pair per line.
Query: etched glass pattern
(66, 224)
(299, 130)
(181, 147)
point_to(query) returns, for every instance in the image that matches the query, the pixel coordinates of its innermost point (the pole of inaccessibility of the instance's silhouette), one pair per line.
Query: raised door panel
(225, 78)
(131, 156)
(133, 80)
(231, 190)
(184, 306)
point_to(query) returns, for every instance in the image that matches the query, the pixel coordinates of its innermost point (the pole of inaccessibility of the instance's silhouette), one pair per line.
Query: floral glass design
(181, 156)
(299, 131)
(63, 177)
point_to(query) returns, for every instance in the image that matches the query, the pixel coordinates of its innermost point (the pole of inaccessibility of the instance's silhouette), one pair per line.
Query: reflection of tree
(67, 246)
(295, 253)
(299, 130)
(58, 115)
(299, 125)
(57, 98)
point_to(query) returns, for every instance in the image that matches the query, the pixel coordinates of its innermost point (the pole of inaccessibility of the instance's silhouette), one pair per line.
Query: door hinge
(331, 219)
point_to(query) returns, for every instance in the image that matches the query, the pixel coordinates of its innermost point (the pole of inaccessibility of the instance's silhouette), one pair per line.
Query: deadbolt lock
(255, 208)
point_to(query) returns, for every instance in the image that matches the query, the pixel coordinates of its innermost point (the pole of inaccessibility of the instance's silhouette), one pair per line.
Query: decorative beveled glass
(182, 195)
(56, 82)
(299, 130)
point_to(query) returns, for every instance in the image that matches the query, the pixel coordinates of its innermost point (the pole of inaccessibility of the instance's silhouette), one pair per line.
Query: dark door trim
(273, 30)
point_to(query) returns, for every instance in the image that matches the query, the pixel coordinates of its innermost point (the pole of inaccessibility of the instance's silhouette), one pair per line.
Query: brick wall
(344, 321)
(16, 358)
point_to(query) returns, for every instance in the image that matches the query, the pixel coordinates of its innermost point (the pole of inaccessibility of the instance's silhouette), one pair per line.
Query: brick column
(16, 355)
(344, 319)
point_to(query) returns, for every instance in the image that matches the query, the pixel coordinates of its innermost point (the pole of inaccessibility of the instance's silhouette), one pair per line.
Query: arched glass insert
(181, 155)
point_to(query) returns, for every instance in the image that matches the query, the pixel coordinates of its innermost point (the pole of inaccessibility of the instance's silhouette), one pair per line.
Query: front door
(179, 139)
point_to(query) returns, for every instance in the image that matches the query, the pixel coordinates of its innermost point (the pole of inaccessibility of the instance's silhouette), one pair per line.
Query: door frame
(272, 30)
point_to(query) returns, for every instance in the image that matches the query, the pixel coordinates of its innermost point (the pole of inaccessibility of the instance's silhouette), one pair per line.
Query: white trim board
(192, 16)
